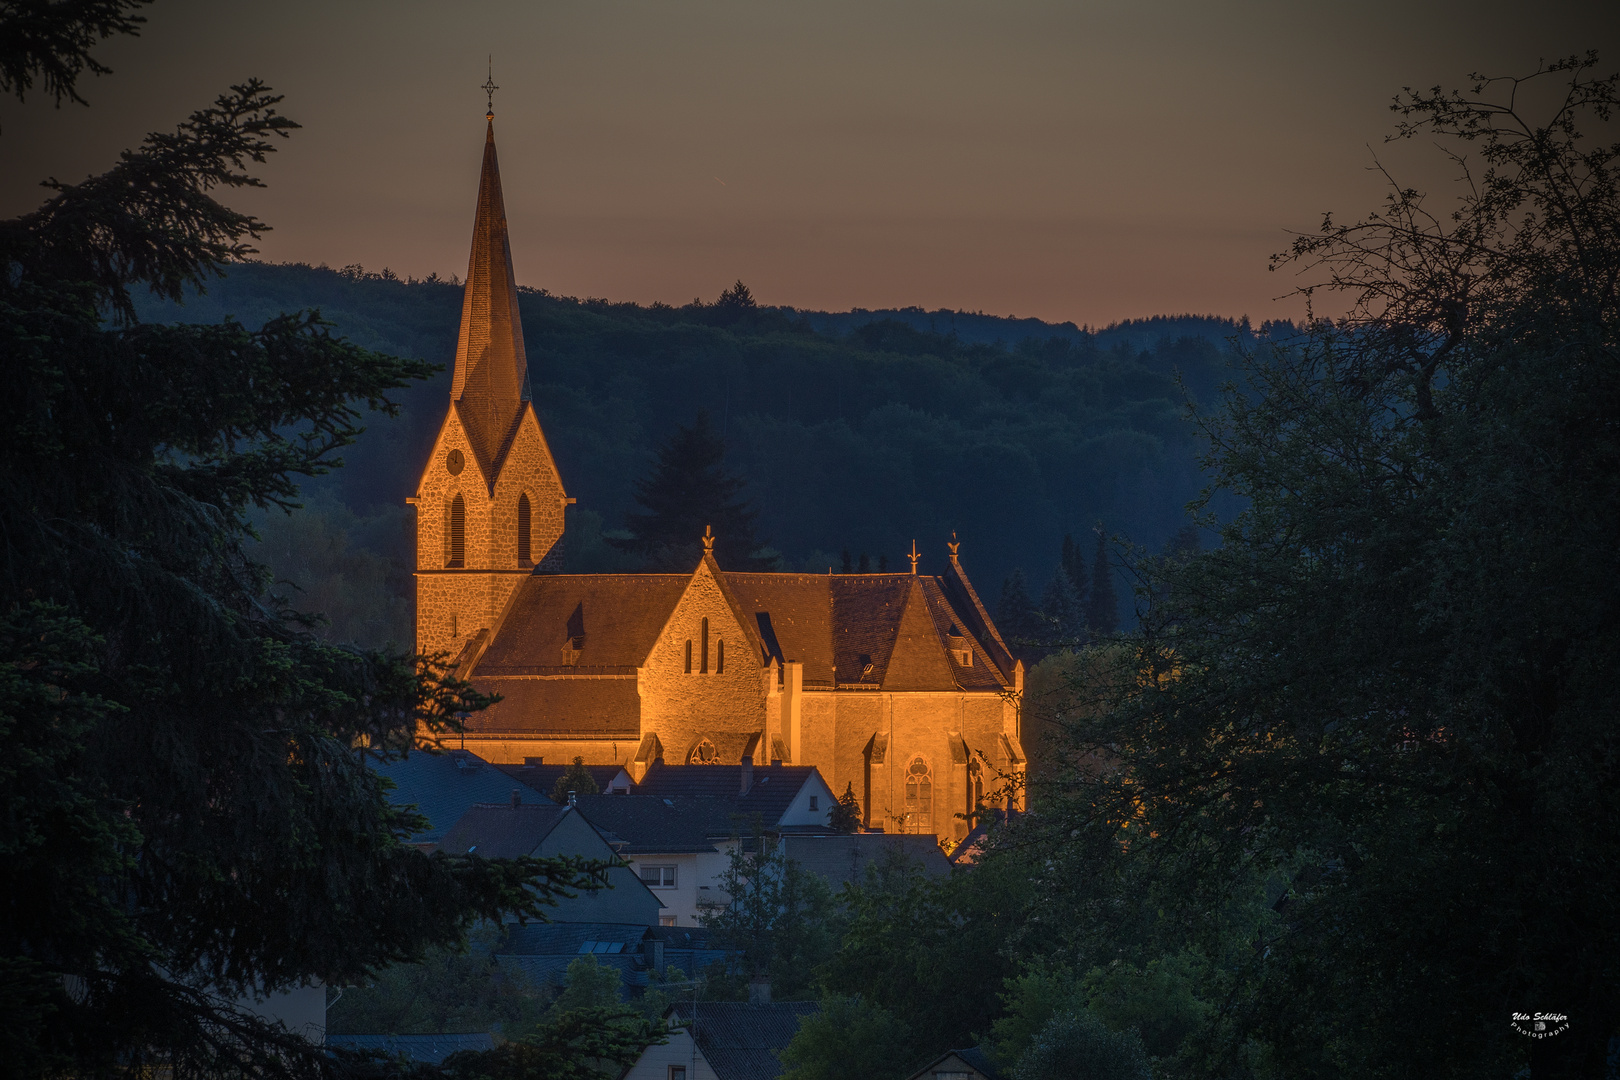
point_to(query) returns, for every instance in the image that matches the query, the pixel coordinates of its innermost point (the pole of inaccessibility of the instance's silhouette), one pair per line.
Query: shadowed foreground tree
(184, 818)
(1392, 684)
(689, 492)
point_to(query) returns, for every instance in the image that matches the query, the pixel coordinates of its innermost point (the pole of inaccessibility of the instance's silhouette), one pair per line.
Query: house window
(666, 920)
(689, 656)
(815, 802)
(919, 795)
(457, 555)
(658, 877)
(703, 656)
(523, 531)
(677, 1072)
(720, 657)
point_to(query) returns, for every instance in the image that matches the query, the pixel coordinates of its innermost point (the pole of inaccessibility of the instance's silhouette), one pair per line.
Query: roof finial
(914, 555)
(489, 88)
(708, 540)
(955, 545)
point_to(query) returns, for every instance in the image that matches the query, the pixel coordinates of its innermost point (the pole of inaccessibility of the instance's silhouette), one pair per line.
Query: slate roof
(844, 858)
(444, 786)
(973, 1057)
(621, 615)
(773, 790)
(588, 708)
(850, 631)
(502, 831)
(646, 824)
(565, 938)
(428, 1049)
(740, 1041)
(542, 778)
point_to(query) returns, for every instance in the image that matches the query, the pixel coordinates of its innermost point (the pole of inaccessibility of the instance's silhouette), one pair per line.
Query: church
(896, 686)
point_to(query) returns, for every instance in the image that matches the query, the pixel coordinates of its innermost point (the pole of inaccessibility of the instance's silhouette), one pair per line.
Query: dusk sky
(1071, 161)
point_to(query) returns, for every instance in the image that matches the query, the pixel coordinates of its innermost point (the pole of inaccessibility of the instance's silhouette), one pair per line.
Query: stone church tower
(489, 506)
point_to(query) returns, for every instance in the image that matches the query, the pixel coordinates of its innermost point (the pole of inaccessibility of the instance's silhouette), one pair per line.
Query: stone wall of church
(452, 605)
(683, 708)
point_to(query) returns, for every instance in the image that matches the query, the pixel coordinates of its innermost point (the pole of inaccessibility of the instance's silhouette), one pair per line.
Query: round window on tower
(455, 462)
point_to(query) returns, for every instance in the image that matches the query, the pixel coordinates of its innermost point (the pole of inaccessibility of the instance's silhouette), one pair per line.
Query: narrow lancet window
(458, 533)
(689, 656)
(720, 657)
(703, 655)
(523, 556)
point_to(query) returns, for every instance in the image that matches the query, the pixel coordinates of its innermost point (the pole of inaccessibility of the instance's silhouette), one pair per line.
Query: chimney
(573, 798)
(759, 990)
(747, 775)
(517, 798)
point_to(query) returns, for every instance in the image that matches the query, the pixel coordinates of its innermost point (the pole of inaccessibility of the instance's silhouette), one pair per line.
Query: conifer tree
(846, 814)
(1073, 561)
(1065, 617)
(848, 564)
(689, 491)
(1102, 610)
(1020, 624)
(577, 779)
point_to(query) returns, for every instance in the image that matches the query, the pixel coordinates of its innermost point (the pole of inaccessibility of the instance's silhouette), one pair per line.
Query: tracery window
(702, 754)
(919, 796)
(457, 555)
(523, 531)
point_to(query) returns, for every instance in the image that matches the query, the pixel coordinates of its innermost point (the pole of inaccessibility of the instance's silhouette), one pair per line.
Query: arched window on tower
(458, 533)
(919, 797)
(689, 656)
(524, 557)
(720, 657)
(703, 653)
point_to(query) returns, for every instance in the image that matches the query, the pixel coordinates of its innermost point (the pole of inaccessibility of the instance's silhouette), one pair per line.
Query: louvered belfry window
(523, 531)
(458, 532)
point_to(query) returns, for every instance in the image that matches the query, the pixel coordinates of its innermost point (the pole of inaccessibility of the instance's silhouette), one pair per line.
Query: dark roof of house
(841, 858)
(553, 970)
(568, 938)
(503, 831)
(444, 786)
(428, 1049)
(772, 792)
(543, 778)
(587, 708)
(973, 1057)
(739, 1041)
(653, 825)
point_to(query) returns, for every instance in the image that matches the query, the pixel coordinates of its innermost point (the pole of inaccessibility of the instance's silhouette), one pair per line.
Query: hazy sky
(1085, 161)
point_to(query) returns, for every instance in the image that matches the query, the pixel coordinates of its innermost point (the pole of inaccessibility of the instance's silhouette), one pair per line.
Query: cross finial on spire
(708, 540)
(489, 88)
(955, 545)
(914, 555)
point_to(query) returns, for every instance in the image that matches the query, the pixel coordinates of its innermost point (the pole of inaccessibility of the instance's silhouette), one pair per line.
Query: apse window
(658, 877)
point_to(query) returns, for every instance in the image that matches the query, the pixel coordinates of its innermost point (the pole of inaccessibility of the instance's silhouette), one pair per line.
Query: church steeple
(492, 371)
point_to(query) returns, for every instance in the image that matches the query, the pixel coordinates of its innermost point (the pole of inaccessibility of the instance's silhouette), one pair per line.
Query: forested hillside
(858, 430)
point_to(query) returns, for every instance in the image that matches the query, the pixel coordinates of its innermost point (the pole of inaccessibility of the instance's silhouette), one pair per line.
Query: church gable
(451, 471)
(528, 499)
(701, 688)
(918, 661)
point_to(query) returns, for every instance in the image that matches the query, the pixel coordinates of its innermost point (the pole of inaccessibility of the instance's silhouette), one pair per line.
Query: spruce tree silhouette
(688, 491)
(1102, 613)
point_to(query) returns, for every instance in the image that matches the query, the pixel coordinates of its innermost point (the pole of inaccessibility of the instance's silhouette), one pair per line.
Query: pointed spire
(492, 371)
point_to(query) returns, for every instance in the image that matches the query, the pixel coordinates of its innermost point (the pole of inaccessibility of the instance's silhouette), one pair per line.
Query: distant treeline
(858, 430)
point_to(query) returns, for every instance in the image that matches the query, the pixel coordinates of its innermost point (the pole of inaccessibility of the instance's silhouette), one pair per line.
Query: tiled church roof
(585, 708)
(852, 631)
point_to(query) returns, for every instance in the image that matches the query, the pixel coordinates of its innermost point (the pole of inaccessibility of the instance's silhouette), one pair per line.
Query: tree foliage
(689, 495)
(577, 779)
(1388, 687)
(848, 1039)
(50, 40)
